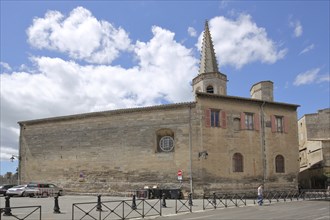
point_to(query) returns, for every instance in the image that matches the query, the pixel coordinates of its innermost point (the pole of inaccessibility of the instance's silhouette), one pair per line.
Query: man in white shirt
(260, 192)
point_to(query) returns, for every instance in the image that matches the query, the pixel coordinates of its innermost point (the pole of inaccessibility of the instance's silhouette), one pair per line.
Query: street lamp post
(18, 170)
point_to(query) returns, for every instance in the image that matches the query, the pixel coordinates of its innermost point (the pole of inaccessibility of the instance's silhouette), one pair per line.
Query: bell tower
(209, 79)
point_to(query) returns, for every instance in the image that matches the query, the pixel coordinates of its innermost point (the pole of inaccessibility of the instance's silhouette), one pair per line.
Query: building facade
(219, 142)
(314, 150)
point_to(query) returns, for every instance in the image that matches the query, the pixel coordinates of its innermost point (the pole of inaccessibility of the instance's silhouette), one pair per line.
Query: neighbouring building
(314, 150)
(218, 142)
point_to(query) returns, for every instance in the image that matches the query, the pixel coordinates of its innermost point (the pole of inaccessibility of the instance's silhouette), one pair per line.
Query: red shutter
(285, 124)
(272, 119)
(208, 117)
(242, 120)
(256, 122)
(223, 119)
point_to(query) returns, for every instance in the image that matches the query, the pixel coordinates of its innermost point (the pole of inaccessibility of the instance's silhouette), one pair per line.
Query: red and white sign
(180, 175)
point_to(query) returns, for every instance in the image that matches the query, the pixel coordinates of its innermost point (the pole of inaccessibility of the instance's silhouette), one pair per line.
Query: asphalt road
(311, 210)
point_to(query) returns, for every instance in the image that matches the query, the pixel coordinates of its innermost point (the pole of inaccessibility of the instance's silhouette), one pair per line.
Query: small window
(249, 121)
(215, 116)
(279, 164)
(237, 162)
(209, 89)
(166, 144)
(279, 123)
(165, 141)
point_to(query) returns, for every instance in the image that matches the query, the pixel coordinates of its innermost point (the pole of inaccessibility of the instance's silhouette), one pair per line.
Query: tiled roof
(110, 112)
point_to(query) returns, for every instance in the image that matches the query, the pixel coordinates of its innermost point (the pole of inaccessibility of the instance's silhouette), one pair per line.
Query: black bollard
(99, 206)
(134, 202)
(56, 206)
(7, 207)
(164, 201)
(190, 199)
(214, 201)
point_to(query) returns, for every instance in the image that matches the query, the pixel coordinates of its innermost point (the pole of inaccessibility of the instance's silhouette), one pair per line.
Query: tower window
(209, 89)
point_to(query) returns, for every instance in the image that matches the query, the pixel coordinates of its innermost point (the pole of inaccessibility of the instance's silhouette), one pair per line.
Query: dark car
(3, 188)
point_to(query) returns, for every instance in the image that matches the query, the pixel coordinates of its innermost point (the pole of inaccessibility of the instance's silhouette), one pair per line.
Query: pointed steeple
(208, 61)
(209, 79)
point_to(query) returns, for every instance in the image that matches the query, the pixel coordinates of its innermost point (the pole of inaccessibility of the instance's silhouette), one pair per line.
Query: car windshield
(20, 186)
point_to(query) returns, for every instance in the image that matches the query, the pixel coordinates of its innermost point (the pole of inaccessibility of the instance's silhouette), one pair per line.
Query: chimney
(262, 90)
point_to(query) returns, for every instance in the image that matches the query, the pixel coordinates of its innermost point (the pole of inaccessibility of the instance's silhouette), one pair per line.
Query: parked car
(4, 188)
(43, 189)
(16, 191)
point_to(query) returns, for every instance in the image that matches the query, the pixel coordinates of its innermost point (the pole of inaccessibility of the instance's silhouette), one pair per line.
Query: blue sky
(68, 57)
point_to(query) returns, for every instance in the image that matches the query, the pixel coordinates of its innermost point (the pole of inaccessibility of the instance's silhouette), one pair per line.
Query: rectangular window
(279, 123)
(249, 122)
(215, 122)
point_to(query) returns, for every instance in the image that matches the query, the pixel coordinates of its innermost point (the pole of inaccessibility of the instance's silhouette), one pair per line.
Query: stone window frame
(163, 133)
(279, 164)
(238, 162)
(210, 89)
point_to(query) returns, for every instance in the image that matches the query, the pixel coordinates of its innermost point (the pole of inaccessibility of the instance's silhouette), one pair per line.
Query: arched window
(237, 162)
(209, 89)
(279, 164)
(165, 140)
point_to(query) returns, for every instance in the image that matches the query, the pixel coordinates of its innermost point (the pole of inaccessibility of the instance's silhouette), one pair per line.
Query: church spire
(208, 61)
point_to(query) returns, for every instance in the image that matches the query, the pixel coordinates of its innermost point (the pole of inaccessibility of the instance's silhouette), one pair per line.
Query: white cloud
(310, 77)
(7, 152)
(58, 87)
(80, 35)
(239, 42)
(307, 49)
(5, 66)
(297, 28)
(192, 32)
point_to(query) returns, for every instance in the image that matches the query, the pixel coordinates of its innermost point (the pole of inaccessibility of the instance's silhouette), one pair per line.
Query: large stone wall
(222, 143)
(111, 151)
(117, 151)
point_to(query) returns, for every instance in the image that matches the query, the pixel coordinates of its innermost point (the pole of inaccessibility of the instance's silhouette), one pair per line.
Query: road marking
(322, 208)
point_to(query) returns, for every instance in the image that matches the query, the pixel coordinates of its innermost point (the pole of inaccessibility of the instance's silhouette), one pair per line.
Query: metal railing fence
(120, 209)
(16, 213)
(220, 200)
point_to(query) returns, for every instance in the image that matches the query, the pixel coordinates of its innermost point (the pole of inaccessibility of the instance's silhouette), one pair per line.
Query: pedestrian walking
(260, 194)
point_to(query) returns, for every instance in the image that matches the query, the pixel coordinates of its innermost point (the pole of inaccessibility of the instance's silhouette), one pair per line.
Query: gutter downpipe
(263, 143)
(190, 152)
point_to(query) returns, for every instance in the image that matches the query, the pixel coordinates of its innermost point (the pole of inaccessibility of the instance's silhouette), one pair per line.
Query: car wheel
(31, 195)
(23, 194)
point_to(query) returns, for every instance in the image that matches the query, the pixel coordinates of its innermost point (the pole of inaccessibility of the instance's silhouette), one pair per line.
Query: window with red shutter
(256, 122)
(223, 119)
(272, 119)
(208, 117)
(242, 120)
(285, 124)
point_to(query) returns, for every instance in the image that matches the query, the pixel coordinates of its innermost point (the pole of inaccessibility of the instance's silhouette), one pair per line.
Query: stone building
(314, 150)
(219, 142)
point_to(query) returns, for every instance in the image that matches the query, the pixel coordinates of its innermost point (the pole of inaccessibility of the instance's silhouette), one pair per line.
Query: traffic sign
(180, 175)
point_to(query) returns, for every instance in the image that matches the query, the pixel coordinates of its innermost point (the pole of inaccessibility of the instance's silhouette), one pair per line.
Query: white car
(43, 190)
(16, 191)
